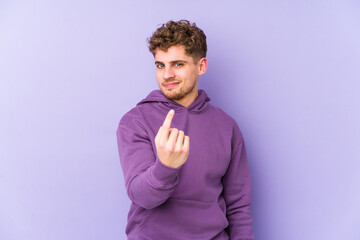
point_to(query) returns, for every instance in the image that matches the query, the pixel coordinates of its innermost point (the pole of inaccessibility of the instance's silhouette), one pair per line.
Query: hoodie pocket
(187, 218)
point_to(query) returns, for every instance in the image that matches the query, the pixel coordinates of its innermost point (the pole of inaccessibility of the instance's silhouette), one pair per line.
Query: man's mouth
(171, 84)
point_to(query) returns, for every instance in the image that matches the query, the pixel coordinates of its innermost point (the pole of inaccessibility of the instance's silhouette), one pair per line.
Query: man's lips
(171, 84)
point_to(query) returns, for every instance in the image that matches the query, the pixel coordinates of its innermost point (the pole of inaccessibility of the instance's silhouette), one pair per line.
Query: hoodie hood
(200, 104)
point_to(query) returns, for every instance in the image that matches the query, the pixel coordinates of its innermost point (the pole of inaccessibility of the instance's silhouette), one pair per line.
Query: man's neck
(188, 100)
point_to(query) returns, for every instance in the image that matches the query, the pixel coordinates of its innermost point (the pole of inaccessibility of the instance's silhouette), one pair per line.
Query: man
(184, 160)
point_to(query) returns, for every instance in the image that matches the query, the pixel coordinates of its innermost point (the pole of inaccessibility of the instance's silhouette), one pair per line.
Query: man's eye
(159, 65)
(179, 64)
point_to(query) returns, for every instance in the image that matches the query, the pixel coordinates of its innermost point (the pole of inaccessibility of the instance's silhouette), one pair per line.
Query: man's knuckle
(185, 149)
(170, 148)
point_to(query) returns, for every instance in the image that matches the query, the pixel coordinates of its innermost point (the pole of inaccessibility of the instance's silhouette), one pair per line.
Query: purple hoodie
(206, 198)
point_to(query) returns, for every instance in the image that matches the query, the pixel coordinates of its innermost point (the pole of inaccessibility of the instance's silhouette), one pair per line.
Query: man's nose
(168, 73)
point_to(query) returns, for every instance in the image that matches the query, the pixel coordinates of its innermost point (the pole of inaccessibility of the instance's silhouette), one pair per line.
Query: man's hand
(172, 146)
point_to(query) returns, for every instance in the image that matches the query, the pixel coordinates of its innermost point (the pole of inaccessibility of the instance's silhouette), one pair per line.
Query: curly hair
(179, 33)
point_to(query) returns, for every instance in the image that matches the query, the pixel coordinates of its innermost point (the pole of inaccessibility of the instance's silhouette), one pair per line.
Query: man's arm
(149, 180)
(237, 193)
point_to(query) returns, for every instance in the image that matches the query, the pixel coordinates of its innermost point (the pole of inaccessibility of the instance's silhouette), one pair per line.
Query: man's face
(177, 74)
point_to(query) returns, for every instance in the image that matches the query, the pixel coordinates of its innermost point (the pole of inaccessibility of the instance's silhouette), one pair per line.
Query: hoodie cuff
(162, 176)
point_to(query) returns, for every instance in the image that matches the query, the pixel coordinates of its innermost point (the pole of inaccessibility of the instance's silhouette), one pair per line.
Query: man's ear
(202, 64)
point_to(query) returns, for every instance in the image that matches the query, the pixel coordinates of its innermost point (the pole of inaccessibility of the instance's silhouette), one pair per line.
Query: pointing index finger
(168, 119)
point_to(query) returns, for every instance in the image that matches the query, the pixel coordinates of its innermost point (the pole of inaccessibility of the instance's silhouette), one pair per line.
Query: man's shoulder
(219, 113)
(141, 114)
(131, 115)
(226, 120)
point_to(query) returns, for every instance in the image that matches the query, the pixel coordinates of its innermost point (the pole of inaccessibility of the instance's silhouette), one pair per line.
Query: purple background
(287, 71)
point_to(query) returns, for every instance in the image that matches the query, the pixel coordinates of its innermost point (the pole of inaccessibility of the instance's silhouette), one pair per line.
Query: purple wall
(289, 73)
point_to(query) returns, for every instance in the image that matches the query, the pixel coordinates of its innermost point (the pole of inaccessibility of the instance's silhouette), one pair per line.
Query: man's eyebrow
(172, 62)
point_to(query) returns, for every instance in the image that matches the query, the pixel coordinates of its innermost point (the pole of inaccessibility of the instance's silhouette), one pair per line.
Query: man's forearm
(153, 187)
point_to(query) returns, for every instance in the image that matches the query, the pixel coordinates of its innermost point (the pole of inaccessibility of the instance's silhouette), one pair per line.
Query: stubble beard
(178, 94)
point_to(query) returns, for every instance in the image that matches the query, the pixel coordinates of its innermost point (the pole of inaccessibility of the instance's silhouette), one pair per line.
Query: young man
(184, 160)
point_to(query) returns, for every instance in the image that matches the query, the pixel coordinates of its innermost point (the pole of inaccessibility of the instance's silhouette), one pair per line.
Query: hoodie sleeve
(237, 192)
(149, 183)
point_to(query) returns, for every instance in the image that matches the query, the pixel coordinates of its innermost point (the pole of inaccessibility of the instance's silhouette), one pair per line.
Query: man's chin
(173, 95)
